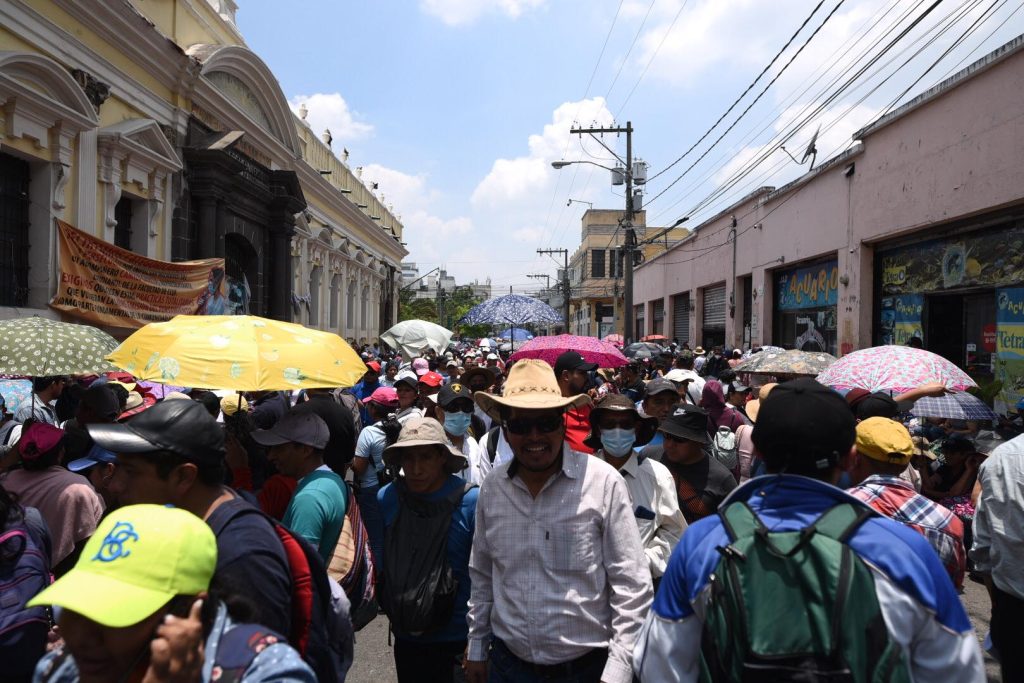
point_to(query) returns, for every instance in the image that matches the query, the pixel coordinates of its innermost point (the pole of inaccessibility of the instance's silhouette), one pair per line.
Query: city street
(374, 662)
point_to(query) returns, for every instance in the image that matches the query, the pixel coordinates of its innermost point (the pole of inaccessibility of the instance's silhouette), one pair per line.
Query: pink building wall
(955, 152)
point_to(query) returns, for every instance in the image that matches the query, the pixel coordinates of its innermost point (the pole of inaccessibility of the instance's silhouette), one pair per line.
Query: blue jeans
(507, 668)
(369, 508)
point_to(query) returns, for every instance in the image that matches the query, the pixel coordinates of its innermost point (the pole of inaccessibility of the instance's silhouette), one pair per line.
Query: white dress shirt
(655, 508)
(999, 518)
(559, 575)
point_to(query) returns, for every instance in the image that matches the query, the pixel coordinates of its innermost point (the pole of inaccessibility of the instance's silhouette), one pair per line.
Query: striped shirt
(896, 498)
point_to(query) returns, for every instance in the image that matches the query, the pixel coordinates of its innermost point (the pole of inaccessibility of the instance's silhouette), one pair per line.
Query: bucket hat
(686, 422)
(531, 385)
(425, 431)
(306, 428)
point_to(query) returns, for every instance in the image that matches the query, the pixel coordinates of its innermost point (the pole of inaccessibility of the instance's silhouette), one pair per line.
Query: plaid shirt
(896, 498)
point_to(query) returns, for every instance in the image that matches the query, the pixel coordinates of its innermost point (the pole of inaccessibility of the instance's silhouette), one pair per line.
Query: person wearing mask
(806, 435)
(479, 379)
(572, 374)
(143, 604)
(884, 449)
(617, 429)
(430, 469)
(67, 501)
(368, 464)
(455, 411)
(40, 405)
(559, 578)
(296, 448)
(702, 483)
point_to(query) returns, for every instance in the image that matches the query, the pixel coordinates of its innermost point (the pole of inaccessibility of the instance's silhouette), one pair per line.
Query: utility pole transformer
(565, 281)
(627, 224)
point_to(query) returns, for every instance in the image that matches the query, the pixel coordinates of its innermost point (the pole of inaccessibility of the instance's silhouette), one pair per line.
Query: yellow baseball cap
(140, 557)
(885, 440)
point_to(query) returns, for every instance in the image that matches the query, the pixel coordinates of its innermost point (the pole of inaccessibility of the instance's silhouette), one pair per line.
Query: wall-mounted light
(844, 280)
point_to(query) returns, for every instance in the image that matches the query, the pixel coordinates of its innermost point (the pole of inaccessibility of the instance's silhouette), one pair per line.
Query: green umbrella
(39, 347)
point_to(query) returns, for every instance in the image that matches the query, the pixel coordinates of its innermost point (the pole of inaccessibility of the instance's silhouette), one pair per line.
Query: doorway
(961, 328)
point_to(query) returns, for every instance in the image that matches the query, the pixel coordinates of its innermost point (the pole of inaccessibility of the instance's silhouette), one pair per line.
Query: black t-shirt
(341, 447)
(252, 560)
(701, 486)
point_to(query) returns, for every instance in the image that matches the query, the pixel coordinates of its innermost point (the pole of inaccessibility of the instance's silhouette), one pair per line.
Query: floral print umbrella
(894, 368)
(592, 349)
(511, 309)
(238, 353)
(781, 362)
(40, 347)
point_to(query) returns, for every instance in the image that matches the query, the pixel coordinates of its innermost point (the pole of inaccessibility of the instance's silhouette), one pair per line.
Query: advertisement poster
(809, 287)
(108, 285)
(988, 259)
(1010, 344)
(901, 318)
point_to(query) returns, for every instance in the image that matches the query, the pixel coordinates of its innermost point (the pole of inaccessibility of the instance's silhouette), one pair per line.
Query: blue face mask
(457, 424)
(618, 442)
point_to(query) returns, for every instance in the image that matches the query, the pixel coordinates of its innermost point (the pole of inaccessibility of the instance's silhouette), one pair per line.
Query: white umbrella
(415, 337)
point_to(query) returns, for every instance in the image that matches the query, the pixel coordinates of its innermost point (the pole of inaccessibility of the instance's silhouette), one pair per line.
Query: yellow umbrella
(240, 353)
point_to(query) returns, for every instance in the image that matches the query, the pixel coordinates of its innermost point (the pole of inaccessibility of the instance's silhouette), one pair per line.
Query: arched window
(363, 305)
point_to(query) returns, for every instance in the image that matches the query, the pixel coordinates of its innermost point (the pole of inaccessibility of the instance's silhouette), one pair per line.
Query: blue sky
(457, 107)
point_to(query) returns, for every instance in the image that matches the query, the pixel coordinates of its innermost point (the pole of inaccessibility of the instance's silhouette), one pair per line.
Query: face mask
(457, 423)
(618, 442)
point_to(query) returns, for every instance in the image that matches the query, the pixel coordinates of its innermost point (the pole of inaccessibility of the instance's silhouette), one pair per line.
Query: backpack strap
(740, 521)
(492, 444)
(841, 521)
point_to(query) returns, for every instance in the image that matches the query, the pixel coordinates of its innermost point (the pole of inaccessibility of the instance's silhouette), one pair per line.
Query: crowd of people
(669, 520)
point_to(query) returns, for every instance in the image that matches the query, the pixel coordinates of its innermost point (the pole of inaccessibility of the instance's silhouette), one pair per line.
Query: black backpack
(391, 428)
(417, 587)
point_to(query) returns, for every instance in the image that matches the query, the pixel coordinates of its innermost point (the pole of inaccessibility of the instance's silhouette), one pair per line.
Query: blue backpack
(24, 572)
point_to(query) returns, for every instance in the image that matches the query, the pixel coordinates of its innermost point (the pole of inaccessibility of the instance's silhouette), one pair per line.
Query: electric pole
(565, 281)
(627, 225)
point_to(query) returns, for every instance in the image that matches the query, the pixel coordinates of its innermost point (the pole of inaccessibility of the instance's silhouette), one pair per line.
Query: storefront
(961, 294)
(713, 328)
(805, 307)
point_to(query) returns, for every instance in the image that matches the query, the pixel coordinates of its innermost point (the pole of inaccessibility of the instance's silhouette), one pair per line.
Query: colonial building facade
(153, 127)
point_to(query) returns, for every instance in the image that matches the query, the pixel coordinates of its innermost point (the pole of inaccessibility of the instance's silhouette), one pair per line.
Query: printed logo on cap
(457, 388)
(113, 546)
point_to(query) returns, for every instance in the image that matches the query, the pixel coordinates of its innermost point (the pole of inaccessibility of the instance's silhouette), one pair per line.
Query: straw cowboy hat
(754, 407)
(531, 385)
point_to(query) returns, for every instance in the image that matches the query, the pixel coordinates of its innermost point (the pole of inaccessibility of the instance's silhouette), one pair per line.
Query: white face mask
(618, 442)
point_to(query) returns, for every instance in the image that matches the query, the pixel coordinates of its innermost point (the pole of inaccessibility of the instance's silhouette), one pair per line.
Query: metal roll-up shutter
(681, 317)
(714, 308)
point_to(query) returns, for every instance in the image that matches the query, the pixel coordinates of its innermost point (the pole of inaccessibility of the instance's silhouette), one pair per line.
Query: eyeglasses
(524, 425)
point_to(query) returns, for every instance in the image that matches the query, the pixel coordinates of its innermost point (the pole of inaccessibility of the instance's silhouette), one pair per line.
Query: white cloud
(331, 111)
(464, 12)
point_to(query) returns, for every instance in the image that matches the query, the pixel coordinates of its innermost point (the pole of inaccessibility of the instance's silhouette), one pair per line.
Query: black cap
(660, 385)
(182, 427)
(878, 404)
(686, 422)
(572, 360)
(453, 392)
(804, 426)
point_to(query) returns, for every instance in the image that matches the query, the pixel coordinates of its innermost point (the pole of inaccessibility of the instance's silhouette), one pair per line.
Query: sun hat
(385, 396)
(424, 431)
(686, 422)
(617, 403)
(182, 427)
(531, 385)
(421, 366)
(96, 456)
(754, 407)
(885, 440)
(922, 446)
(176, 396)
(139, 558)
(467, 376)
(305, 427)
(699, 351)
(804, 422)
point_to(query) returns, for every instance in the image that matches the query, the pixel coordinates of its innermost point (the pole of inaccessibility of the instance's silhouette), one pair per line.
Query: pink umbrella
(615, 340)
(893, 368)
(592, 349)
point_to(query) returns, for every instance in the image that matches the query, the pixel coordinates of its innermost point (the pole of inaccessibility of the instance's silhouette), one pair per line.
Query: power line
(651, 60)
(630, 50)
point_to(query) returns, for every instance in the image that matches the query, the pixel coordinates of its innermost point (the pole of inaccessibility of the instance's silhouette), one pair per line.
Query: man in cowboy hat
(430, 467)
(559, 575)
(616, 429)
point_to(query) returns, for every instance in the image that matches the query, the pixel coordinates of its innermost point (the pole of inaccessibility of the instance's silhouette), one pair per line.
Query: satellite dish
(812, 151)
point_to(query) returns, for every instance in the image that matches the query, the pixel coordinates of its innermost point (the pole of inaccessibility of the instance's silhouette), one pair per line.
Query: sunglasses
(459, 407)
(525, 425)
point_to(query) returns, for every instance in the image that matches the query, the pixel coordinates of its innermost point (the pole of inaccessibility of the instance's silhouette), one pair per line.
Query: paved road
(374, 662)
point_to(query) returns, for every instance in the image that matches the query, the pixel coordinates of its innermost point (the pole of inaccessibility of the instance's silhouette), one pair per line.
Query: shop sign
(108, 285)
(810, 287)
(1009, 343)
(988, 338)
(901, 318)
(989, 259)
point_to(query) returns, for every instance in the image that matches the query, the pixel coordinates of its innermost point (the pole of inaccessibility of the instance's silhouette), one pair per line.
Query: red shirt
(577, 428)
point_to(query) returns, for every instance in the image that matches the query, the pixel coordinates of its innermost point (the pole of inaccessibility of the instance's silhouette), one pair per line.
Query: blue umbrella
(512, 309)
(515, 334)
